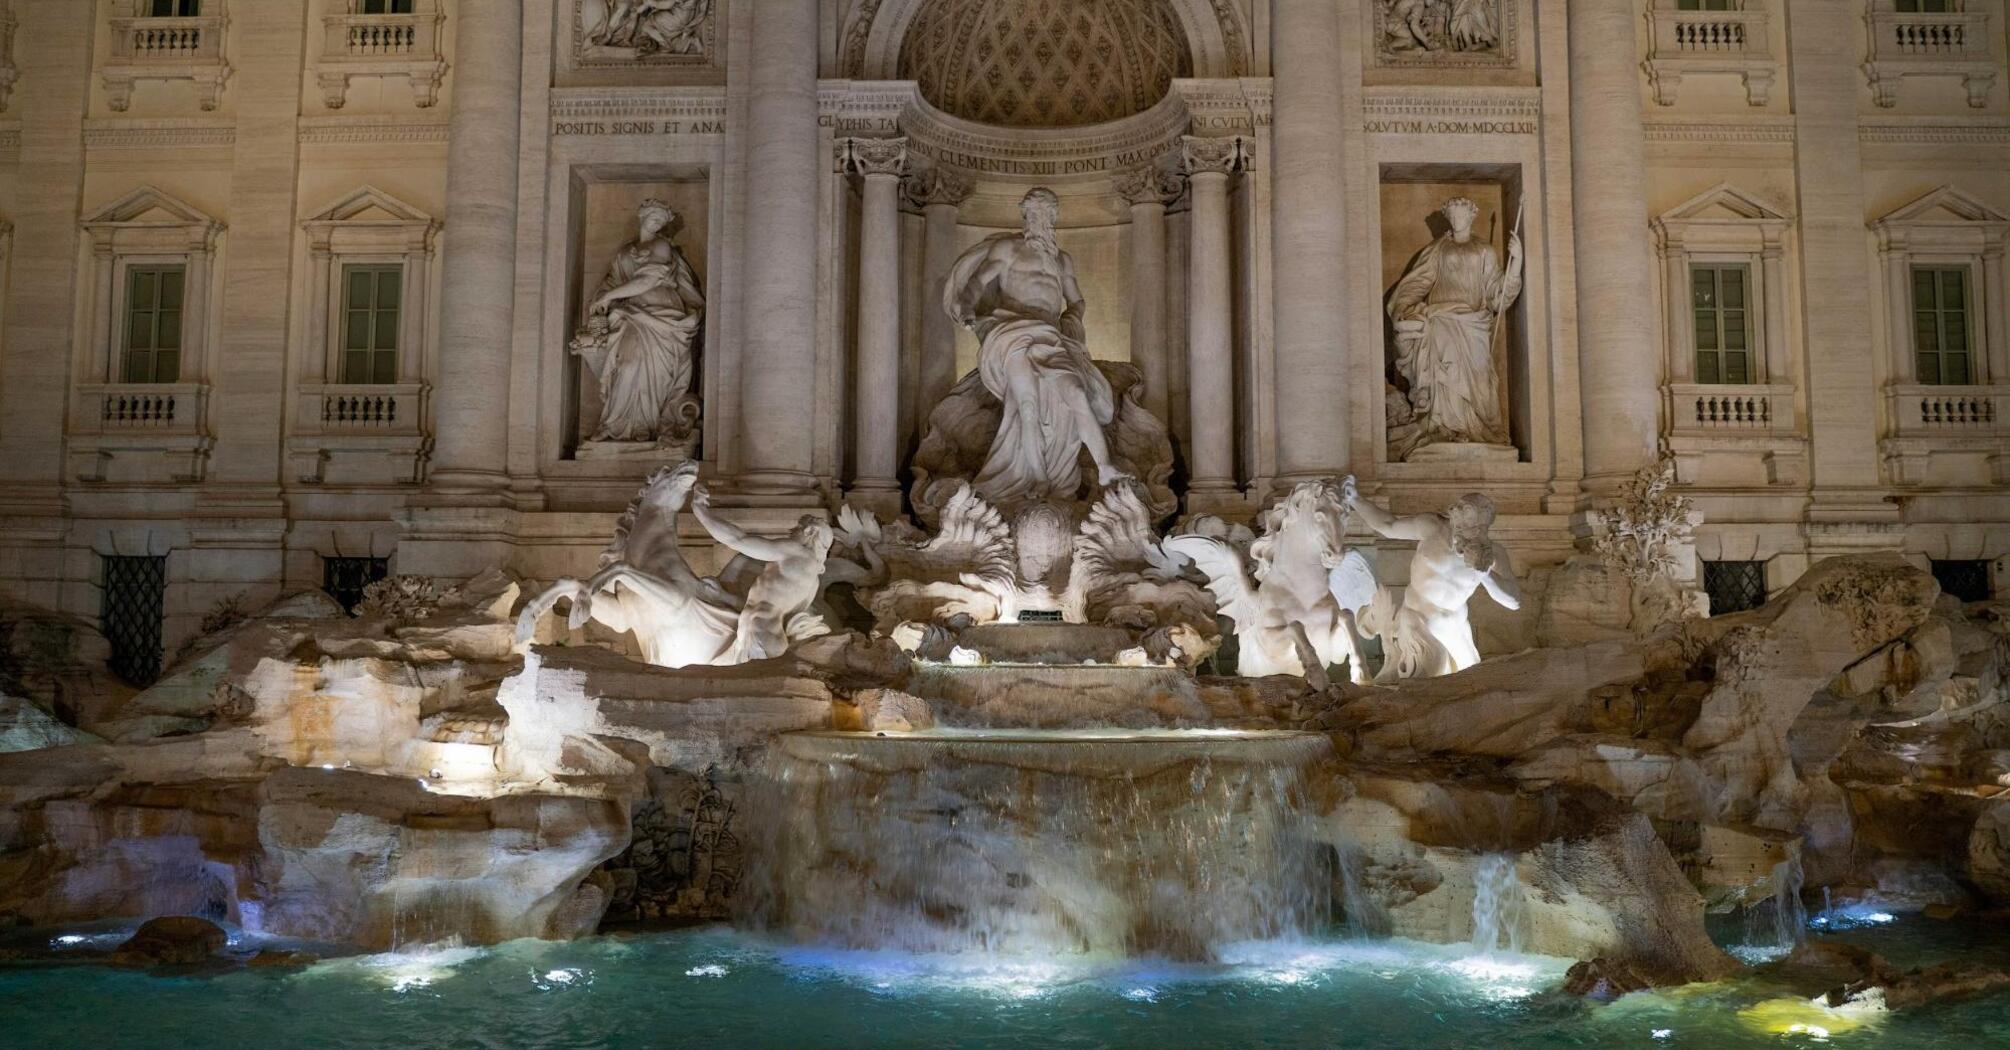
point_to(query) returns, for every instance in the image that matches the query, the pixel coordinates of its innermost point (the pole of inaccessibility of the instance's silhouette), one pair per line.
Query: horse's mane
(617, 548)
(1272, 523)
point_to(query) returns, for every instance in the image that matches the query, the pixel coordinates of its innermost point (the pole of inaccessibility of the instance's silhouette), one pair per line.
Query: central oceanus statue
(756, 607)
(1016, 428)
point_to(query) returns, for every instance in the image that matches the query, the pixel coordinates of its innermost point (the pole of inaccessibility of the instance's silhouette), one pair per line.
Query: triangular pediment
(368, 204)
(149, 206)
(1943, 207)
(1725, 203)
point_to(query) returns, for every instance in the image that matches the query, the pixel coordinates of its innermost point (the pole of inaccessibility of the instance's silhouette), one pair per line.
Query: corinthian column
(478, 259)
(1210, 364)
(777, 373)
(1308, 240)
(876, 382)
(939, 193)
(1148, 189)
(1617, 371)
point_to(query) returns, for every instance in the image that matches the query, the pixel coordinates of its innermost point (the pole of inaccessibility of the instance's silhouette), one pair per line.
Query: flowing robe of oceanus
(1017, 292)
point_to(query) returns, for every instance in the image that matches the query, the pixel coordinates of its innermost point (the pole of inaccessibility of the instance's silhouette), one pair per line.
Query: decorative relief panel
(622, 33)
(8, 74)
(1450, 33)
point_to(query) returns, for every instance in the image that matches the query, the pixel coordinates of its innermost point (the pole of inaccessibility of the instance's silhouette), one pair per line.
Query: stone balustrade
(1697, 408)
(1911, 44)
(369, 407)
(1699, 42)
(1922, 410)
(406, 45)
(189, 48)
(141, 406)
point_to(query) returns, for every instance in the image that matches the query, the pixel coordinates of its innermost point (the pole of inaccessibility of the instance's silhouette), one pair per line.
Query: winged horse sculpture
(1296, 598)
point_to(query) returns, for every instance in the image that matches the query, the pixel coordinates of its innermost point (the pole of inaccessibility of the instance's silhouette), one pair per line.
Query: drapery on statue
(754, 609)
(674, 27)
(1430, 633)
(638, 335)
(1447, 309)
(1017, 292)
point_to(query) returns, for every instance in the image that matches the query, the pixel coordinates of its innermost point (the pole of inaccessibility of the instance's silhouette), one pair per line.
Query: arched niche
(869, 48)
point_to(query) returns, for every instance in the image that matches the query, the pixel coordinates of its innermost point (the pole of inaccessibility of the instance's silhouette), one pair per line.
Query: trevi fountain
(1035, 687)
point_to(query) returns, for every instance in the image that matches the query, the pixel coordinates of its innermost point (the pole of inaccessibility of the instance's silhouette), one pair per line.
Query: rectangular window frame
(382, 7)
(1930, 362)
(361, 361)
(1734, 576)
(171, 8)
(1711, 364)
(1709, 5)
(1927, 7)
(142, 290)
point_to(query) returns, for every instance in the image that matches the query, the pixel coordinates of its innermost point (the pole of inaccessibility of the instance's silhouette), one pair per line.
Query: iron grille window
(1719, 294)
(345, 578)
(1966, 579)
(134, 596)
(1734, 586)
(153, 324)
(1940, 325)
(370, 323)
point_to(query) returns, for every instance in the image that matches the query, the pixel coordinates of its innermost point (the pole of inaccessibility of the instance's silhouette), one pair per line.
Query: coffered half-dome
(1044, 63)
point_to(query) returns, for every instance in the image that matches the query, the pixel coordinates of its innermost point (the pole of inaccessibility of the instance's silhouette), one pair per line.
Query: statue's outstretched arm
(1417, 527)
(756, 547)
(1501, 585)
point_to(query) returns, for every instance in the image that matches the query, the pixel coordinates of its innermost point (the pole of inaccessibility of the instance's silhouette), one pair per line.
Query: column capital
(875, 156)
(1147, 184)
(1204, 155)
(936, 184)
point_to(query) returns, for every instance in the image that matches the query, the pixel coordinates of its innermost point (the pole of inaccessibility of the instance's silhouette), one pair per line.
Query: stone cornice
(1935, 133)
(1745, 131)
(160, 133)
(347, 129)
(680, 103)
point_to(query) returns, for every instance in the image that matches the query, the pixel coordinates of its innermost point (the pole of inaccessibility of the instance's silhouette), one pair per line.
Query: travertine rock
(172, 940)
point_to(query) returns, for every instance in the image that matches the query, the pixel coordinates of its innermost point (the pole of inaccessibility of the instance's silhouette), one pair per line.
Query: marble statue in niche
(1430, 633)
(652, 27)
(639, 339)
(1017, 292)
(1448, 311)
(1422, 27)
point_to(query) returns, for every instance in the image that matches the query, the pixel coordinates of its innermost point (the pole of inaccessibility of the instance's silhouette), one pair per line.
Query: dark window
(1734, 586)
(1966, 579)
(1940, 325)
(153, 325)
(135, 592)
(384, 7)
(1708, 5)
(345, 578)
(370, 323)
(1929, 7)
(1720, 300)
(174, 8)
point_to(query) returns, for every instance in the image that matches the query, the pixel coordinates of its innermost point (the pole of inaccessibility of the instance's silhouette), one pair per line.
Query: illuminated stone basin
(1049, 697)
(1036, 843)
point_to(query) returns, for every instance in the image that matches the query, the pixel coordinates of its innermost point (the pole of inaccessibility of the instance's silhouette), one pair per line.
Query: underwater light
(707, 970)
(1662, 1033)
(69, 940)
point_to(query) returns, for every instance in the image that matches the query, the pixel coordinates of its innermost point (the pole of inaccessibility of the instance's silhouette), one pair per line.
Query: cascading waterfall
(1498, 904)
(1781, 923)
(1035, 844)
